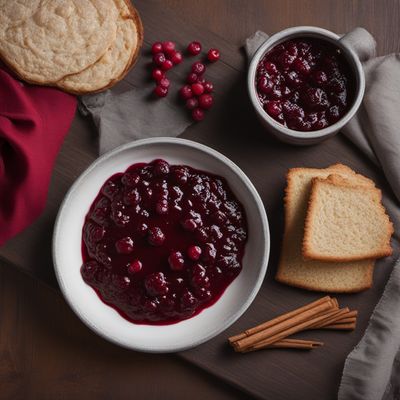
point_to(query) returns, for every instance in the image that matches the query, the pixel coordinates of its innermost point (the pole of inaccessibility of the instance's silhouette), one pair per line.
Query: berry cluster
(161, 242)
(165, 56)
(197, 92)
(304, 84)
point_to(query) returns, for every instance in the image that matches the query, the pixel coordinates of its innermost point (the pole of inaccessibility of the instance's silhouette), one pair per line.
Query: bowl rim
(312, 31)
(263, 263)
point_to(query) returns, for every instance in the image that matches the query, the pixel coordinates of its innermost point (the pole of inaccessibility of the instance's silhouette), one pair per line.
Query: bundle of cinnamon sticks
(320, 314)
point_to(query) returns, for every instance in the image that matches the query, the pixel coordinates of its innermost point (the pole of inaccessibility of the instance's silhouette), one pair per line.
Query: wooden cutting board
(231, 128)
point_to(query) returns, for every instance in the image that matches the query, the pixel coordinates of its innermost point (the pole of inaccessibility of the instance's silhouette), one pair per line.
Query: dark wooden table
(45, 351)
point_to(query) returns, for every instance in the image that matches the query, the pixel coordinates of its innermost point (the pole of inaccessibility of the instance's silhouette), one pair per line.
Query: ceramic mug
(310, 137)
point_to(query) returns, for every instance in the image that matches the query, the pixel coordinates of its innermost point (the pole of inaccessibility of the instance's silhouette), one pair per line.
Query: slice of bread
(316, 275)
(345, 222)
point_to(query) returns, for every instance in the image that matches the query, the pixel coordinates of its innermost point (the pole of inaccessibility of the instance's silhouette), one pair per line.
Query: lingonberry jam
(162, 242)
(305, 84)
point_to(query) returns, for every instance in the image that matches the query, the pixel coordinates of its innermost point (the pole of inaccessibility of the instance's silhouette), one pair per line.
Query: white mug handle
(362, 42)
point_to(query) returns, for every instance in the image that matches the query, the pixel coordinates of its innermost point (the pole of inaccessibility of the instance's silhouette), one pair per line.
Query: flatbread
(46, 40)
(117, 60)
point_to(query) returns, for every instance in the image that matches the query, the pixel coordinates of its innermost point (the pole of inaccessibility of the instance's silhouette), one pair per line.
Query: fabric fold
(33, 123)
(133, 115)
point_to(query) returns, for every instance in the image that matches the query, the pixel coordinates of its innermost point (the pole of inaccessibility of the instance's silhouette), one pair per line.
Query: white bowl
(103, 319)
(310, 137)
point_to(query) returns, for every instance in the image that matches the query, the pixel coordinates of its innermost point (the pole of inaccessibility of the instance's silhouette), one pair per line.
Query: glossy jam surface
(162, 242)
(305, 84)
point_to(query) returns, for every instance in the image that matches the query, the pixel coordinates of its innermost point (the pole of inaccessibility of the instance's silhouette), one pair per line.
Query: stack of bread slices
(80, 46)
(335, 228)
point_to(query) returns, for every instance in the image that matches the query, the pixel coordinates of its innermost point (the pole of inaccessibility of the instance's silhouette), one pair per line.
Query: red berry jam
(162, 242)
(305, 84)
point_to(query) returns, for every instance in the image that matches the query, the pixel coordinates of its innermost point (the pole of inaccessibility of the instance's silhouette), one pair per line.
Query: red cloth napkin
(33, 123)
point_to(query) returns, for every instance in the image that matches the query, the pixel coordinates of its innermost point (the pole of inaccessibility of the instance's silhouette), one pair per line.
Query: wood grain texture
(46, 351)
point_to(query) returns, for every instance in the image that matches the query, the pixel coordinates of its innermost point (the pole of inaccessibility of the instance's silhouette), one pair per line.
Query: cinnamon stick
(278, 319)
(320, 314)
(346, 320)
(352, 313)
(281, 323)
(295, 344)
(285, 328)
(331, 318)
(345, 327)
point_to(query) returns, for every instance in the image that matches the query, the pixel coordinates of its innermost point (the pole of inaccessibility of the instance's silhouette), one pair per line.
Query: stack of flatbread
(335, 228)
(80, 46)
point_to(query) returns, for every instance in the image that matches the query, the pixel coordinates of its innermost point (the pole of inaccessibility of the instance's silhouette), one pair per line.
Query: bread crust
(361, 288)
(134, 15)
(284, 278)
(33, 77)
(339, 181)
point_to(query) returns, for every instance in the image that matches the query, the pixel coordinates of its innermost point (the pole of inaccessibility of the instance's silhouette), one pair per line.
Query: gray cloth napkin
(372, 369)
(131, 115)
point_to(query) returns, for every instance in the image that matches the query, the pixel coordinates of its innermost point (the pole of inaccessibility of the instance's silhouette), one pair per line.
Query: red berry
(194, 48)
(265, 85)
(166, 65)
(161, 168)
(156, 48)
(186, 92)
(192, 103)
(198, 68)
(301, 66)
(181, 175)
(164, 82)
(194, 252)
(176, 261)
(192, 78)
(188, 301)
(156, 236)
(197, 89)
(159, 59)
(213, 55)
(189, 224)
(157, 74)
(270, 67)
(176, 57)
(198, 114)
(124, 245)
(134, 267)
(160, 91)
(156, 284)
(168, 47)
(208, 87)
(274, 108)
(206, 101)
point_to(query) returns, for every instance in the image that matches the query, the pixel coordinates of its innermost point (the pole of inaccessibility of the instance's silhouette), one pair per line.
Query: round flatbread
(46, 40)
(117, 60)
